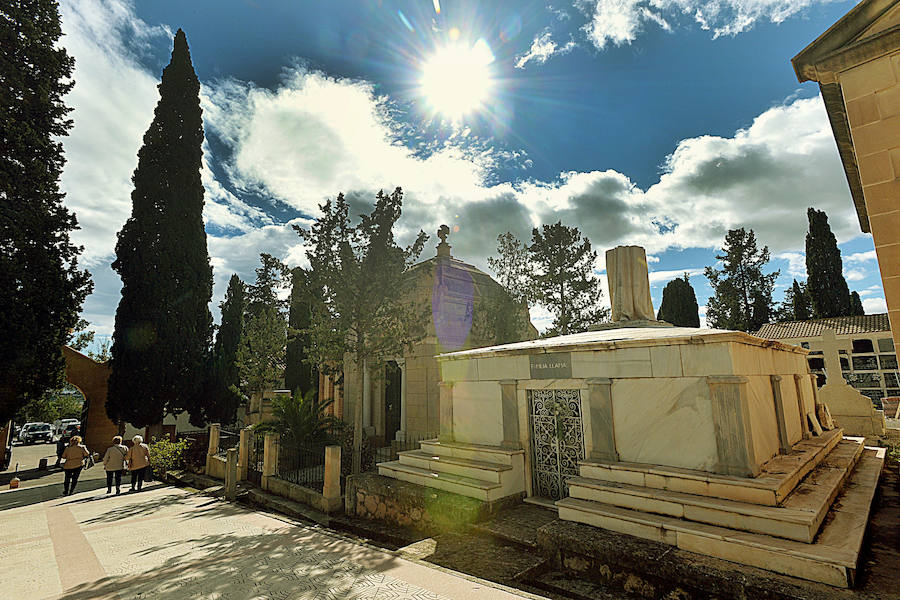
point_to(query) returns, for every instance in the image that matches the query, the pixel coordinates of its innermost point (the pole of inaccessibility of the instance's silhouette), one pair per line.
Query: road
(29, 456)
(36, 485)
(165, 543)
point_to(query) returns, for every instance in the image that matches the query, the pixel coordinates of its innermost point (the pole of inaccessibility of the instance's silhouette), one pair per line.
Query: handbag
(89, 461)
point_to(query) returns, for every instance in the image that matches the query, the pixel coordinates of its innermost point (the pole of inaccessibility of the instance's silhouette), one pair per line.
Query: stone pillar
(332, 488)
(446, 414)
(401, 433)
(231, 471)
(798, 385)
(244, 452)
(731, 420)
(510, 411)
(603, 434)
(784, 444)
(270, 458)
(629, 284)
(213, 444)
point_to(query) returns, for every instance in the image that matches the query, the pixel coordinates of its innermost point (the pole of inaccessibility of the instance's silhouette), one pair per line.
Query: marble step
(465, 486)
(778, 478)
(800, 520)
(494, 454)
(830, 559)
(476, 469)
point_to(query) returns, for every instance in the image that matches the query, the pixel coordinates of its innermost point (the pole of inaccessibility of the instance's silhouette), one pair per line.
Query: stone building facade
(865, 346)
(401, 396)
(857, 66)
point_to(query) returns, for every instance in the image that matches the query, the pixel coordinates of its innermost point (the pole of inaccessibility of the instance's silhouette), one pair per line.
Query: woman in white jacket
(114, 463)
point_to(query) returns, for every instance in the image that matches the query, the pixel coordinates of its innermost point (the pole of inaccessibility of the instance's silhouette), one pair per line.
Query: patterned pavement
(167, 544)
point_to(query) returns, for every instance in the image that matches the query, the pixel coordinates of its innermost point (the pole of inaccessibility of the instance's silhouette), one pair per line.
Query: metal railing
(390, 452)
(197, 447)
(302, 465)
(227, 440)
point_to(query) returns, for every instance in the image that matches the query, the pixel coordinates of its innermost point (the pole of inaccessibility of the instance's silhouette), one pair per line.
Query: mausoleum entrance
(557, 440)
(393, 381)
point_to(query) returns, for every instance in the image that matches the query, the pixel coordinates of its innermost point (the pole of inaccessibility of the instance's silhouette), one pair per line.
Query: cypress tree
(41, 287)
(679, 304)
(825, 281)
(163, 326)
(222, 397)
(856, 307)
(800, 302)
(742, 296)
(298, 372)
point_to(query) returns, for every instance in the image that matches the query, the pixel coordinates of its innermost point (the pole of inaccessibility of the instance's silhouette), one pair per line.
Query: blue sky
(660, 123)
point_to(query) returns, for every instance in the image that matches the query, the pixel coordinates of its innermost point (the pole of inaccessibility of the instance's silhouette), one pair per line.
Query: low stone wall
(405, 504)
(303, 495)
(216, 467)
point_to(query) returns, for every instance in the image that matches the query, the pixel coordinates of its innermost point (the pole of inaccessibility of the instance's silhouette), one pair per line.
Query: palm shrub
(302, 419)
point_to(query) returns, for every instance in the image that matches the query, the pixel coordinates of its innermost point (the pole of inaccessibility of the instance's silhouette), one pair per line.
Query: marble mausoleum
(709, 440)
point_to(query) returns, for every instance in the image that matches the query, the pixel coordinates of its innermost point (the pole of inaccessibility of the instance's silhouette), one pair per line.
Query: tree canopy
(742, 297)
(365, 311)
(163, 325)
(563, 278)
(679, 304)
(828, 291)
(41, 287)
(299, 373)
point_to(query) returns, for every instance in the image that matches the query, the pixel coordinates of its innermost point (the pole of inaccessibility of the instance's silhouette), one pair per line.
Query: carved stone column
(784, 444)
(603, 434)
(804, 425)
(401, 433)
(510, 412)
(731, 419)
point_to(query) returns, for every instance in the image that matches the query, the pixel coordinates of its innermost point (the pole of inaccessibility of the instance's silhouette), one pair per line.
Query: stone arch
(91, 378)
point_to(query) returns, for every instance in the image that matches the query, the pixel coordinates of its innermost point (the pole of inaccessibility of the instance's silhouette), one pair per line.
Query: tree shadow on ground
(288, 562)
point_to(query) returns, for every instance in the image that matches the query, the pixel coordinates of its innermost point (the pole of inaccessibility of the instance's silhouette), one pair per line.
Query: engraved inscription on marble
(553, 365)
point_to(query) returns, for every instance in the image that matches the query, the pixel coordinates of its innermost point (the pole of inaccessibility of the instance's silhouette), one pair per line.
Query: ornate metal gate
(255, 458)
(557, 440)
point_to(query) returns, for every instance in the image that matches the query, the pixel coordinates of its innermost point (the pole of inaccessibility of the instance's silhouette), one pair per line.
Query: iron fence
(197, 447)
(302, 465)
(227, 440)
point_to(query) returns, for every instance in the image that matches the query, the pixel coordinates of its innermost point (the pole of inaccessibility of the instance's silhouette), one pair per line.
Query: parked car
(33, 433)
(60, 425)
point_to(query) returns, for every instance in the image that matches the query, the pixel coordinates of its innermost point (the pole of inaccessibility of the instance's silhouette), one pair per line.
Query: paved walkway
(165, 543)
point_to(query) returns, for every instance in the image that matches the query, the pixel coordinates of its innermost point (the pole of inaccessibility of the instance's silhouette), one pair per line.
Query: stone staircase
(804, 516)
(488, 473)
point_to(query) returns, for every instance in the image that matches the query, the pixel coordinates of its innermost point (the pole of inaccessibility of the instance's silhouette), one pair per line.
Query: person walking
(73, 461)
(138, 458)
(114, 464)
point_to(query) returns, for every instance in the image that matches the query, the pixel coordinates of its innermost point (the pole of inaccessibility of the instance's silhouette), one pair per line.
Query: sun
(457, 79)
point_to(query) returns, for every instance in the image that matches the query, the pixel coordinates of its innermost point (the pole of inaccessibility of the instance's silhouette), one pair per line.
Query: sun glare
(456, 79)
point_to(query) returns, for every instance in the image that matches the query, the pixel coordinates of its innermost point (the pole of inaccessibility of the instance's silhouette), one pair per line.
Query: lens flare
(457, 79)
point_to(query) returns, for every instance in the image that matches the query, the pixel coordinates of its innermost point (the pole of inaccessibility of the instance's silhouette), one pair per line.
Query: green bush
(167, 456)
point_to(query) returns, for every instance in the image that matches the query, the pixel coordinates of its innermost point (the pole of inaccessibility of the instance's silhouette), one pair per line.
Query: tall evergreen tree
(796, 305)
(564, 281)
(825, 281)
(742, 296)
(222, 397)
(163, 326)
(299, 373)
(41, 287)
(679, 304)
(856, 306)
(501, 317)
(271, 279)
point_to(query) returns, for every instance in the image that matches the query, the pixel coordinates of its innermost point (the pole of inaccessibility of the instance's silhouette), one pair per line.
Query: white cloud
(796, 263)
(622, 21)
(871, 291)
(852, 275)
(542, 48)
(874, 305)
(860, 257)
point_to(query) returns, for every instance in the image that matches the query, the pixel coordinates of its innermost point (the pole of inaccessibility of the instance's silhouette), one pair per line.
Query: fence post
(270, 458)
(332, 488)
(213, 445)
(244, 453)
(231, 475)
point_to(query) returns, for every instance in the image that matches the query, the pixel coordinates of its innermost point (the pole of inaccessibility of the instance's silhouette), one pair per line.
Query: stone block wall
(408, 505)
(872, 98)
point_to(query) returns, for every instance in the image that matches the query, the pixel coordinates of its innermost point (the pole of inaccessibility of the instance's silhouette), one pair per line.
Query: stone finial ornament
(443, 249)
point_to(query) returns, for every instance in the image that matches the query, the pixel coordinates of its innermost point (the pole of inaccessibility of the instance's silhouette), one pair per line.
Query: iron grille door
(557, 440)
(255, 458)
